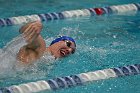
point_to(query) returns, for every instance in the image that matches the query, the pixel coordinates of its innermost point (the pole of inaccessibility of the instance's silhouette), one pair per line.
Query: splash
(8, 55)
(9, 63)
(39, 69)
(71, 31)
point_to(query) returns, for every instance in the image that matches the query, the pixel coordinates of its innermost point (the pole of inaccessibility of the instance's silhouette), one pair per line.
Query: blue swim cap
(62, 38)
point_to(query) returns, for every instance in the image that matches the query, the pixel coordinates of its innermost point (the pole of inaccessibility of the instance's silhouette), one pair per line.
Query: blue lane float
(73, 80)
(116, 9)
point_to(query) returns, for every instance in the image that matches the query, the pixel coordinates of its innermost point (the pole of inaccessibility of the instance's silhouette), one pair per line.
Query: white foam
(38, 69)
(8, 55)
(9, 64)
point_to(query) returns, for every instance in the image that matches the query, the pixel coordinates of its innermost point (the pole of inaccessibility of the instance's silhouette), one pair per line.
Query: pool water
(102, 42)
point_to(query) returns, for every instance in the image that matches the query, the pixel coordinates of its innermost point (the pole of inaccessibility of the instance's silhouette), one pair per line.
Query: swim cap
(62, 38)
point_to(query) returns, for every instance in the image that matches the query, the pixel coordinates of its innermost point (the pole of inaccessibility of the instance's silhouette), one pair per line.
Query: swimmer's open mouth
(62, 52)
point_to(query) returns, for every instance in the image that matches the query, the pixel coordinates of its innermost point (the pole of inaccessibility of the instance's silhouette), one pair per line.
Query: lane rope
(116, 9)
(72, 80)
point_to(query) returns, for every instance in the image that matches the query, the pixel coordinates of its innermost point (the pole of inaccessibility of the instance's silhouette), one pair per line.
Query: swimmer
(36, 46)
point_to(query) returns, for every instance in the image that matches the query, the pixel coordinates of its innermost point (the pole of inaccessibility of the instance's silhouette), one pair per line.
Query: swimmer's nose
(70, 51)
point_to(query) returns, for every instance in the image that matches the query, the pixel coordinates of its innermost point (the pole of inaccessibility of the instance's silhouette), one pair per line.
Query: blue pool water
(102, 42)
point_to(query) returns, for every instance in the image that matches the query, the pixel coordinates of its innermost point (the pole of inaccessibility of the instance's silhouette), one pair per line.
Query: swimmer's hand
(35, 43)
(31, 31)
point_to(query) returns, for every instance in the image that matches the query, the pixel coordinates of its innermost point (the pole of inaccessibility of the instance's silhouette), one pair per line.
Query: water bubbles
(99, 86)
(90, 48)
(114, 36)
(71, 31)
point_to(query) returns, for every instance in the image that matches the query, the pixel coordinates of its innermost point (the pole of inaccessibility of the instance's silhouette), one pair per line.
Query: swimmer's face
(63, 48)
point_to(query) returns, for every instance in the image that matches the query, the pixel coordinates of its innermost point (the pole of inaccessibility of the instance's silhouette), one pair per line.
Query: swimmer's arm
(35, 43)
(31, 32)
